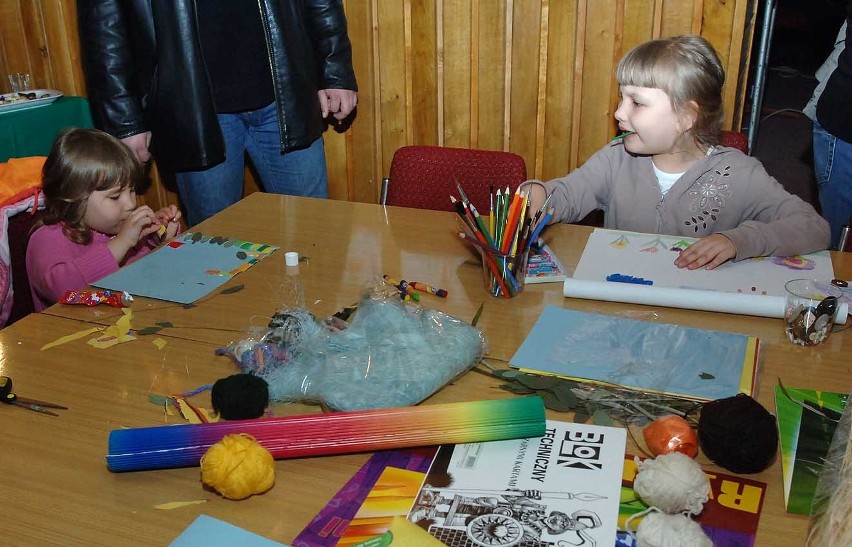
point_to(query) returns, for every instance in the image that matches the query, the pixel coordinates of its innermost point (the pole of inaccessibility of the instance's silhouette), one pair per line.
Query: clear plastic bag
(389, 354)
(832, 502)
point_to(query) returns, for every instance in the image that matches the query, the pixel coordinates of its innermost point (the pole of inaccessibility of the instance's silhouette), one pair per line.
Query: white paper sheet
(749, 287)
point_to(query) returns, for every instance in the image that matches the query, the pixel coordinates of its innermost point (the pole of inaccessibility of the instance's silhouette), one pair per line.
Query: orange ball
(671, 434)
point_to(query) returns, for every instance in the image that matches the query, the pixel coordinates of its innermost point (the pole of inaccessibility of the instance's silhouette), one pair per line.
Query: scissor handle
(6, 394)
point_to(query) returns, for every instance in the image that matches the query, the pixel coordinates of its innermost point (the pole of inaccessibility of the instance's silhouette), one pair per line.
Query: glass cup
(809, 311)
(19, 81)
(503, 275)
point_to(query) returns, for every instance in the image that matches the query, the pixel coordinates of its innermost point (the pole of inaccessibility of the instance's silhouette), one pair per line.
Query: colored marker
(423, 287)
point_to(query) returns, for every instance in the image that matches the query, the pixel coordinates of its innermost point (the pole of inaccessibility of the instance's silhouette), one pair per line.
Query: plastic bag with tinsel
(389, 354)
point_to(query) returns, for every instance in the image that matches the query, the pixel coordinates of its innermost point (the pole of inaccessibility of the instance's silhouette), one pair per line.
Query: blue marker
(621, 278)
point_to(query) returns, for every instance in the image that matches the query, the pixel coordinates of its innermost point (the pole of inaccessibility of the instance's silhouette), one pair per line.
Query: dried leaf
(188, 306)
(581, 417)
(232, 290)
(537, 382)
(706, 376)
(505, 374)
(516, 389)
(164, 324)
(600, 417)
(477, 315)
(564, 393)
(148, 330)
(553, 402)
(159, 400)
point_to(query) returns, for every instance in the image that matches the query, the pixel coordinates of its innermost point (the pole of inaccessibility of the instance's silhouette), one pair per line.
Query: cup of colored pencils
(502, 238)
(503, 274)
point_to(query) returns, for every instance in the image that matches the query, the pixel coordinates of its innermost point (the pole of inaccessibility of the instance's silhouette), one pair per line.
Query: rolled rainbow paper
(164, 447)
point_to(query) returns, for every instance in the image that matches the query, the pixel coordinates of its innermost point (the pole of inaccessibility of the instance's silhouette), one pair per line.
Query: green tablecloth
(31, 131)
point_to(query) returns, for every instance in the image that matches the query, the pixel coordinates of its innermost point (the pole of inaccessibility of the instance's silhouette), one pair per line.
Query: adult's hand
(337, 102)
(138, 144)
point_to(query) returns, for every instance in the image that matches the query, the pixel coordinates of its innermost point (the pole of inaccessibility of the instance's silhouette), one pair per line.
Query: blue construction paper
(210, 532)
(180, 271)
(695, 363)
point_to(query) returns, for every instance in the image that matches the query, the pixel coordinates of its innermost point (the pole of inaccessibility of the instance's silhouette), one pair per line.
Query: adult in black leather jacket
(146, 74)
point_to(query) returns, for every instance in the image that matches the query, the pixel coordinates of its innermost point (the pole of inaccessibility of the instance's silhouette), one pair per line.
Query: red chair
(424, 177)
(735, 139)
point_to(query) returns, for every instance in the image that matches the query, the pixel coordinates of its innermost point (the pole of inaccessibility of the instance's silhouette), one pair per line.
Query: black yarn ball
(240, 397)
(738, 434)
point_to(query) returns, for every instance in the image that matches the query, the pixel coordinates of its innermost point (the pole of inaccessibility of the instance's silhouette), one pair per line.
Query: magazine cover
(730, 517)
(327, 528)
(807, 420)
(557, 490)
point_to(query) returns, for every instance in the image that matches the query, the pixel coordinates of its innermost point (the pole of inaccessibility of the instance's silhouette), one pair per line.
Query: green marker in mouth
(625, 134)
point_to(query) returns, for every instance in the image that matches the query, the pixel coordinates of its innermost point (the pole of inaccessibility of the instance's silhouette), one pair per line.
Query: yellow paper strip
(70, 337)
(178, 504)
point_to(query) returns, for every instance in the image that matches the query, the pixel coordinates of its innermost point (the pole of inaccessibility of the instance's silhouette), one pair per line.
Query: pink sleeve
(56, 265)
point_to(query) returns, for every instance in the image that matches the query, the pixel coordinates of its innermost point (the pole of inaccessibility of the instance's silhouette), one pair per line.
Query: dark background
(803, 36)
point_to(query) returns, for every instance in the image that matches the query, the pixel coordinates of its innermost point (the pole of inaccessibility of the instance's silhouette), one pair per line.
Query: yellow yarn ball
(237, 467)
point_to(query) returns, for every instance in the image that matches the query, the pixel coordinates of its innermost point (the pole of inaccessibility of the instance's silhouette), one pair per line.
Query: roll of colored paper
(333, 433)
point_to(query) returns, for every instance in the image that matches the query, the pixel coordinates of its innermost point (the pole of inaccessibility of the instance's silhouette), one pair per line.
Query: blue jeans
(833, 168)
(297, 172)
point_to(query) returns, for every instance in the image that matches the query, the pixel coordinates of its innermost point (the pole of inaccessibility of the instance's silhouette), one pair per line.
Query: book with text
(561, 488)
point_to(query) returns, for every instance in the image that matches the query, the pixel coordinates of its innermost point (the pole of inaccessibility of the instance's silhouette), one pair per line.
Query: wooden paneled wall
(533, 77)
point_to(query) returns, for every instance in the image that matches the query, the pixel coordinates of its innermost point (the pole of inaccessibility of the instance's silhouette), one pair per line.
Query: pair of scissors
(8, 396)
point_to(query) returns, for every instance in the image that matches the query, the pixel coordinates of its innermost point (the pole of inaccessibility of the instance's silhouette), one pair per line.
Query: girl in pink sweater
(92, 223)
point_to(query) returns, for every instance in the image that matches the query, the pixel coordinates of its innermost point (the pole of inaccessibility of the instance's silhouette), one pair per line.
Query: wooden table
(58, 489)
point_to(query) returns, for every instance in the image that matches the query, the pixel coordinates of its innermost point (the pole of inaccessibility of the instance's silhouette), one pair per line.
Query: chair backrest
(424, 177)
(735, 139)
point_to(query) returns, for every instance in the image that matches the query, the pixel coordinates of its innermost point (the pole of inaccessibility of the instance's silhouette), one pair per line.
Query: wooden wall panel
(422, 61)
(492, 122)
(554, 137)
(531, 76)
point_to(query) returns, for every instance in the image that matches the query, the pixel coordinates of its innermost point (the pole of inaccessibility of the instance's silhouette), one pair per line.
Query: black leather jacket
(145, 72)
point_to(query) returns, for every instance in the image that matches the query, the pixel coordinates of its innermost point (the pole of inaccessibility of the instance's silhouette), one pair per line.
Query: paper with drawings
(651, 257)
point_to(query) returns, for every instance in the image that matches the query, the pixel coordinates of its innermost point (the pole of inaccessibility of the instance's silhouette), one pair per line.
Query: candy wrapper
(388, 354)
(116, 299)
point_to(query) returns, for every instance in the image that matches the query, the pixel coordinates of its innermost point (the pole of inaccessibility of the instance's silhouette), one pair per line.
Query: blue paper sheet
(694, 363)
(210, 532)
(187, 268)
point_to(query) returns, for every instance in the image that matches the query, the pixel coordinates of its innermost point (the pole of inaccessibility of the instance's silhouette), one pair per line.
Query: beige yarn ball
(662, 530)
(673, 483)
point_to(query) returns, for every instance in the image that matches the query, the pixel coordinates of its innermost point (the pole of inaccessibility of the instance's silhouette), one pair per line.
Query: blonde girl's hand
(708, 252)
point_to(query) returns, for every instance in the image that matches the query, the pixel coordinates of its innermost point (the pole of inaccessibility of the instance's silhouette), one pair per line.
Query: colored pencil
(302, 436)
(481, 224)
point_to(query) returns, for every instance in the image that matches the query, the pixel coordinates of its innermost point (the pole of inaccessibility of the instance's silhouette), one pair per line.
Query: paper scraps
(177, 504)
(71, 337)
(115, 334)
